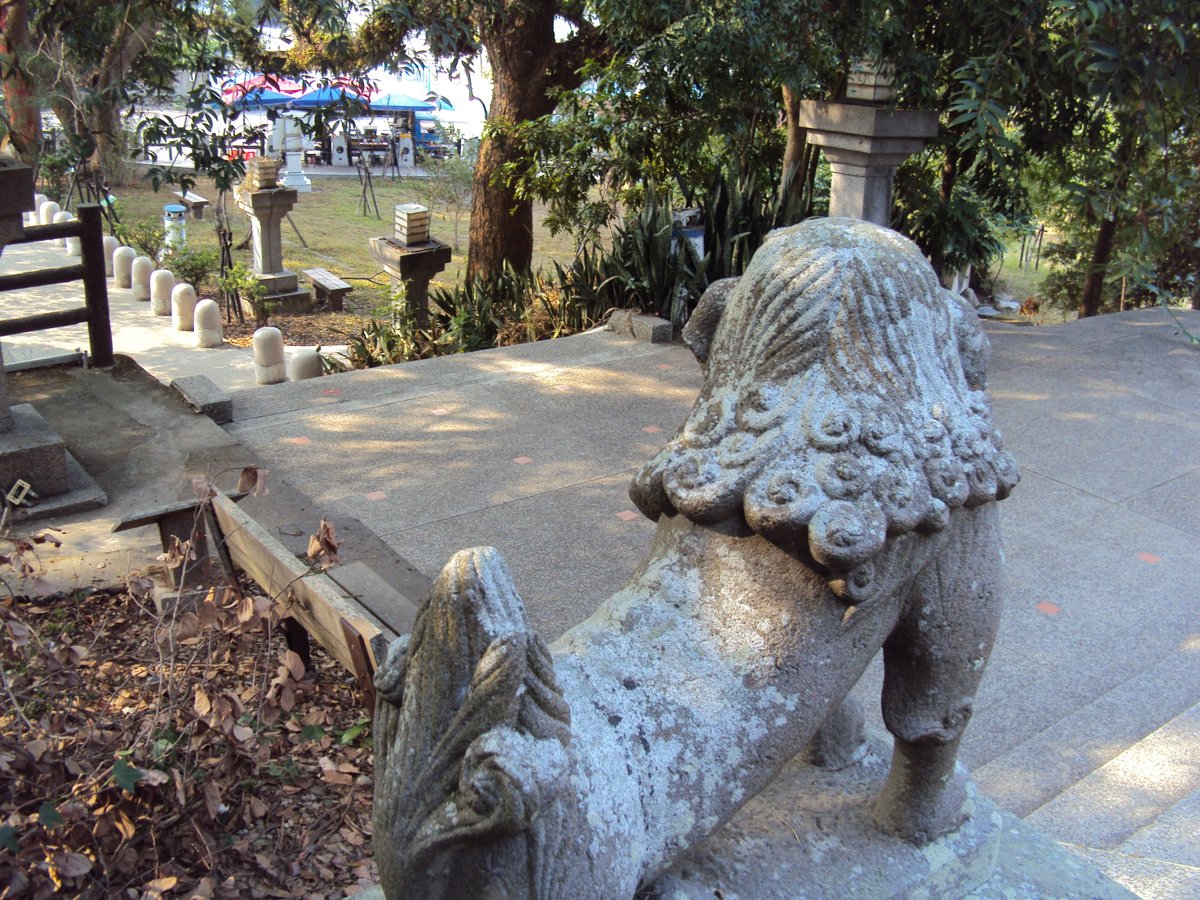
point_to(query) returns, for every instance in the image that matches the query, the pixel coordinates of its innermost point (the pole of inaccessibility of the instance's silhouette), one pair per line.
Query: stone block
(203, 395)
(34, 452)
(652, 330)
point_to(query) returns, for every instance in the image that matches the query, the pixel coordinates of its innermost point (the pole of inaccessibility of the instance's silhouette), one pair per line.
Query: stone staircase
(1131, 811)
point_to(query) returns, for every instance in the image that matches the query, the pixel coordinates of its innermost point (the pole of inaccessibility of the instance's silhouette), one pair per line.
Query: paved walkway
(161, 350)
(1088, 721)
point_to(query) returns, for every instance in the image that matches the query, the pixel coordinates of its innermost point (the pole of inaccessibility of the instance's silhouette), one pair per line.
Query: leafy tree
(529, 65)
(690, 89)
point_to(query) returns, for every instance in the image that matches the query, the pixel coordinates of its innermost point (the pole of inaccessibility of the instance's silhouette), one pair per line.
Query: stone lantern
(865, 142)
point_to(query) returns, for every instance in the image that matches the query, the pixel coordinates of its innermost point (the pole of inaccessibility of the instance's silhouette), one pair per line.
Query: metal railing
(90, 270)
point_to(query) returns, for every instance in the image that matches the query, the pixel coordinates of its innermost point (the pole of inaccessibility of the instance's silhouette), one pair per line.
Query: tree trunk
(1093, 285)
(795, 178)
(501, 223)
(21, 108)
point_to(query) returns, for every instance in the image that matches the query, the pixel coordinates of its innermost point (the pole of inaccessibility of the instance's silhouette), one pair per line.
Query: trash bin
(175, 225)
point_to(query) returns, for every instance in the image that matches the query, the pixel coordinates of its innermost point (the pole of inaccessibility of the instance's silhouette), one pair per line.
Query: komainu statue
(832, 492)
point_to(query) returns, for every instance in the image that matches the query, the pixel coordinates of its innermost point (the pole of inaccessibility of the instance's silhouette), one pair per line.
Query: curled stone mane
(843, 402)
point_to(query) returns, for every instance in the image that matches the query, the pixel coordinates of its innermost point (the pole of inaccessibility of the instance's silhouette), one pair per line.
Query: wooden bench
(194, 203)
(327, 287)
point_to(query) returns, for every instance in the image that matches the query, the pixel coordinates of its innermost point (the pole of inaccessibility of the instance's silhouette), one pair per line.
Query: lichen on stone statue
(833, 492)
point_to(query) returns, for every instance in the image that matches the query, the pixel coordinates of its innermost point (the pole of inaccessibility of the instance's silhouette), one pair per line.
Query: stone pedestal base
(809, 835)
(34, 452)
(284, 293)
(293, 176)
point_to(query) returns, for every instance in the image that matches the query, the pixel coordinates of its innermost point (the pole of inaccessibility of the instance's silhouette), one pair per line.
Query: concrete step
(1134, 790)
(1146, 876)
(1040, 768)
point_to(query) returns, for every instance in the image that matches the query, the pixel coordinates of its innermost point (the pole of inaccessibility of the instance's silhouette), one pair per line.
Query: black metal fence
(90, 269)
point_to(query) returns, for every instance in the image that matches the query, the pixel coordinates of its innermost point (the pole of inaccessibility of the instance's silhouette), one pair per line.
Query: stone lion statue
(833, 492)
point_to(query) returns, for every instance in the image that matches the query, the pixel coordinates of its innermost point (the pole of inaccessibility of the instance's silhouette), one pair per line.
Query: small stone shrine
(412, 258)
(832, 492)
(267, 202)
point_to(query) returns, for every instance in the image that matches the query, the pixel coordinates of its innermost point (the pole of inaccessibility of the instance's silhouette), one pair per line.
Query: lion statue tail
(471, 742)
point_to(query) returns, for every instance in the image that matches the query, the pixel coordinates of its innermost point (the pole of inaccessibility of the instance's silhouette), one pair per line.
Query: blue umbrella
(439, 101)
(325, 97)
(400, 103)
(261, 98)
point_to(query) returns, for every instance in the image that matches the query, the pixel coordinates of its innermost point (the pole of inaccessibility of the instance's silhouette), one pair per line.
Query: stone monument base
(33, 451)
(808, 837)
(284, 293)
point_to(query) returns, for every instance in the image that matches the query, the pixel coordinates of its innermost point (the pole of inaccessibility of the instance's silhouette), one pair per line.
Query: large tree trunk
(501, 223)
(794, 178)
(21, 108)
(1093, 284)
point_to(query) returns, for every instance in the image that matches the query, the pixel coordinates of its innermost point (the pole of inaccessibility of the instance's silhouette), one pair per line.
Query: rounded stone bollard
(61, 218)
(110, 247)
(143, 266)
(269, 365)
(305, 364)
(183, 307)
(208, 324)
(74, 248)
(123, 258)
(162, 282)
(47, 211)
(34, 217)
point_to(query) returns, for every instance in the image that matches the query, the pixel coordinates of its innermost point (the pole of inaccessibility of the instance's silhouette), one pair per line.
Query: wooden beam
(312, 598)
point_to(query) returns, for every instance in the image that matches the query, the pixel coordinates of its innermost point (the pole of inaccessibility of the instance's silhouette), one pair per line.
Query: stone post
(412, 258)
(266, 203)
(16, 199)
(864, 145)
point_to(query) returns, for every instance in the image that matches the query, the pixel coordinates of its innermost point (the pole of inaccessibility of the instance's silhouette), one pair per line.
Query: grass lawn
(337, 235)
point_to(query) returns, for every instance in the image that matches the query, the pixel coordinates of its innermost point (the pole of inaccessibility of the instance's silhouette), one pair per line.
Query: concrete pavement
(1087, 724)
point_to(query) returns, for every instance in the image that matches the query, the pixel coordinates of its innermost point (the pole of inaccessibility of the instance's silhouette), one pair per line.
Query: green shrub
(147, 237)
(193, 267)
(240, 285)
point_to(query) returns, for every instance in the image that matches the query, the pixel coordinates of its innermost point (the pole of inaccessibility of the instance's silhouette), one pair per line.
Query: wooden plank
(310, 597)
(150, 517)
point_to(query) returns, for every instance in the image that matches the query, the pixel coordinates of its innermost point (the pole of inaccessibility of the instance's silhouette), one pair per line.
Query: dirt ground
(186, 754)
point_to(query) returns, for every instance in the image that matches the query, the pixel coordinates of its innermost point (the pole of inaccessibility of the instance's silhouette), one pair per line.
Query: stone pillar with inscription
(266, 202)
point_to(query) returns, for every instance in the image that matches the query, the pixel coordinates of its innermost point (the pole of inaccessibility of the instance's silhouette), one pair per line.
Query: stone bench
(327, 287)
(194, 202)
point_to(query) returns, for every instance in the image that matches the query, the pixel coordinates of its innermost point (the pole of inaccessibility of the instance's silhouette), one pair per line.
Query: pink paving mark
(1149, 558)
(332, 392)
(523, 460)
(375, 495)
(297, 440)
(665, 366)
(561, 387)
(652, 429)
(1047, 608)
(440, 412)
(628, 515)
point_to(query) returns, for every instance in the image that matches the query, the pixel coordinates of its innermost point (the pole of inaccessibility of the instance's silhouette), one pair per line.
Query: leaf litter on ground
(187, 754)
